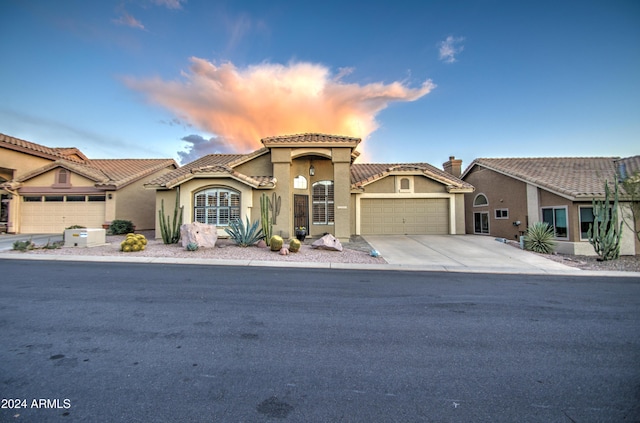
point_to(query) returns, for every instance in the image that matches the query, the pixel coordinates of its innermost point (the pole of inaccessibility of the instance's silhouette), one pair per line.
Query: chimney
(453, 166)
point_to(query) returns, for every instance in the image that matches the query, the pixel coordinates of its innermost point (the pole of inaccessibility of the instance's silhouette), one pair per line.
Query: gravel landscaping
(355, 251)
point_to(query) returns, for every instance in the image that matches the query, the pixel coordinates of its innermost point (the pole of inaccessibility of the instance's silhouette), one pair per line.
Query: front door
(301, 212)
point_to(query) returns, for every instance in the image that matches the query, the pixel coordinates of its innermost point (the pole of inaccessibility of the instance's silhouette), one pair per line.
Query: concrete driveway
(461, 253)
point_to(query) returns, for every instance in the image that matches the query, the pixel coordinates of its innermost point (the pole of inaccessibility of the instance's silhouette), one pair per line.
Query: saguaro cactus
(605, 232)
(275, 207)
(267, 223)
(171, 232)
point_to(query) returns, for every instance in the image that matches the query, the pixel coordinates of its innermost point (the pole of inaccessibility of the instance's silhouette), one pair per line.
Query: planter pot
(301, 235)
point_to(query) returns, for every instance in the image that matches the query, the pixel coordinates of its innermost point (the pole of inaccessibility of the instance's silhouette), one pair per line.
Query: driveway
(461, 253)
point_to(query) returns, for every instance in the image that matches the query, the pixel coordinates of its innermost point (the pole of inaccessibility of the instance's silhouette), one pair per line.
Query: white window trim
(399, 184)
(488, 223)
(495, 211)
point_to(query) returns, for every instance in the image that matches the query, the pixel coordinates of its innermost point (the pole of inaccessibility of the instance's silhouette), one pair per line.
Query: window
(586, 220)
(217, 206)
(481, 222)
(323, 203)
(53, 198)
(480, 200)
(502, 213)
(300, 182)
(556, 217)
(32, 198)
(96, 198)
(405, 184)
(75, 198)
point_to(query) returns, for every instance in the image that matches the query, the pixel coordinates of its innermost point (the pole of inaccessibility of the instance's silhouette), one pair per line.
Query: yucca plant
(540, 238)
(244, 234)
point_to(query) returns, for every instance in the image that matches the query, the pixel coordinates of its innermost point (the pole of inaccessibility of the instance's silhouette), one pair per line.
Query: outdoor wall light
(312, 170)
(517, 223)
(110, 196)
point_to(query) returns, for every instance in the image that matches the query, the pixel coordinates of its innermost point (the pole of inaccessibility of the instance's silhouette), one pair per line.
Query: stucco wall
(20, 162)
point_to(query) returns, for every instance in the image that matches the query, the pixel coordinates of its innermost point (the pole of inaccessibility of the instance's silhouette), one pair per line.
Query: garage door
(55, 215)
(404, 216)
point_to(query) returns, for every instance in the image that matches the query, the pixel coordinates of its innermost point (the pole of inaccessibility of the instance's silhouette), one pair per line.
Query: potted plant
(301, 233)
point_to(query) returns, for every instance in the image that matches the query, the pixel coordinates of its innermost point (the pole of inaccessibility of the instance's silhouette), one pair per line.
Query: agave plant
(244, 234)
(540, 238)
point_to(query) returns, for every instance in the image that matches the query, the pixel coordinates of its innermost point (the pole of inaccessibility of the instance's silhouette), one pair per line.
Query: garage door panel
(53, 217)
(414, 216)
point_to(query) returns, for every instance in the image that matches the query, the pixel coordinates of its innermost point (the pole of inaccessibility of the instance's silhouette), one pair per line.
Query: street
(116, 342)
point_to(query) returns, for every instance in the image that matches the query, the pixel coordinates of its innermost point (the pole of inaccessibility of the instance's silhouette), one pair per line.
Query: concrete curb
(331, 266)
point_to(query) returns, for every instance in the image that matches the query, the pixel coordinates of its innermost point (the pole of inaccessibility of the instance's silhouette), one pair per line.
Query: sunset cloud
(449, 48)
(241, 106)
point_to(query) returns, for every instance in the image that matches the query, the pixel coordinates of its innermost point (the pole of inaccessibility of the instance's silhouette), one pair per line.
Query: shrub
(540, 238)
(23, 245)
(121, 227)
(244, 234)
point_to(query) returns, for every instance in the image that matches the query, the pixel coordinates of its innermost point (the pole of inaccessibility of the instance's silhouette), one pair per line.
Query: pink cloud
(128, 20)
(241, 106)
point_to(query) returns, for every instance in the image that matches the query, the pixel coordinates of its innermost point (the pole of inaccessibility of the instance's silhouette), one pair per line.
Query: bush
(23, 245)
(121, 227)
(244, 234)
(540, 238)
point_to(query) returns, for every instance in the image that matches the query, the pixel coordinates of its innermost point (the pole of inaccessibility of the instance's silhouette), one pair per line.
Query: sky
(416, 81)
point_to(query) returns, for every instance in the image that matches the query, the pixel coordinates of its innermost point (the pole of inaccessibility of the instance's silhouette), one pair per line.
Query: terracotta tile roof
(215, 163)
(18, 144)
(310, 138)
(628, 167)
(365, 173)
(82, 169)
(122, 172)
(571, 177)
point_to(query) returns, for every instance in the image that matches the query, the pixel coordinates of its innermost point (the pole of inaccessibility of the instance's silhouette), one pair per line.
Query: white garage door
(404, 216)
(53, 214)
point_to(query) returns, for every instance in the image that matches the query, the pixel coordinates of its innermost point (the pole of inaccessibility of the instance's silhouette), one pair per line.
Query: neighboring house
(317, 186)
(44, 190)
(513, 193)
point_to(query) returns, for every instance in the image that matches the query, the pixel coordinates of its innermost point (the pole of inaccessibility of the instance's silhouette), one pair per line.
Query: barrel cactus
(276, 243)
(133, 242)
(192, 246)
(294, 245)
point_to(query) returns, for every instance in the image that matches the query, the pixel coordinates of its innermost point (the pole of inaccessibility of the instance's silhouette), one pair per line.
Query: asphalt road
(152, 343)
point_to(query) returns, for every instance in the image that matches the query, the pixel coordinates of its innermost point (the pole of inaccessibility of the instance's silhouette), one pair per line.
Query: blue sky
(418, 81)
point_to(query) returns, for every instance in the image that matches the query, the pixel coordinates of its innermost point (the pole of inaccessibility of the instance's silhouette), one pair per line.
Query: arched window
(217, 206)
(480, 200)
(62, 177)
(323, 203)
(300, 182)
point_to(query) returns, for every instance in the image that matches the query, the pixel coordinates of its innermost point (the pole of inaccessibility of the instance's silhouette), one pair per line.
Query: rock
(284, 251)
(327, 242)
(261, 244)
(202, 234)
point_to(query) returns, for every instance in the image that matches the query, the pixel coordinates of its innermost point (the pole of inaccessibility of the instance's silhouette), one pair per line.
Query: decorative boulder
(202, 234)
(284, 251)
(327, 242)
(261, 244)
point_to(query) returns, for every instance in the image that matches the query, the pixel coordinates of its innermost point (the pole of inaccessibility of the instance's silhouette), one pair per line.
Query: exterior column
(281, 159)
(342, 193)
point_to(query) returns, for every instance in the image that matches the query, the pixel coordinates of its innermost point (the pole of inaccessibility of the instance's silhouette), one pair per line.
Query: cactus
(267, 224)
(605, 232)
(275, 206)
(133, 243)
(276, 243)
(192, 246)
(171, 233)
(294, 245)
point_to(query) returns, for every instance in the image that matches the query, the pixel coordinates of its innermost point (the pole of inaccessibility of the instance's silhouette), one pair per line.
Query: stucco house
(512, 193)
(318, 186)
(45, 190)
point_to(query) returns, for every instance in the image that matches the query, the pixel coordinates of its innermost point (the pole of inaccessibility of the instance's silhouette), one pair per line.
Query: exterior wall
(459, 217)
(20, 162)
(502, 192)
(137, 204)
(423, 184)
(260, 166)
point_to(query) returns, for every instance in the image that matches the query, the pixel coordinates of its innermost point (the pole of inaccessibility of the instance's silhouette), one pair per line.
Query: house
(513, 193)
(314, 183)
(45, 190)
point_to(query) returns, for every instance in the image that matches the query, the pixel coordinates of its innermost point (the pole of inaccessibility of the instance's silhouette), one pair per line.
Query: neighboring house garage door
(404, 216)
(55, 216)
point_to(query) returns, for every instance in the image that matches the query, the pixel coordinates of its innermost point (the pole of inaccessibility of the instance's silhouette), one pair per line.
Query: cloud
(170, 4)
(128, 20)
(243, 105)
(449, 48)
(201, 146)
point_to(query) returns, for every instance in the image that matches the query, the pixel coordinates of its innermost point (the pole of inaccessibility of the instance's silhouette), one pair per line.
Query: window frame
(322, 204)
(504, 214)
(479, 195)
(216, 210)
(554, 225)
(475, 227)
